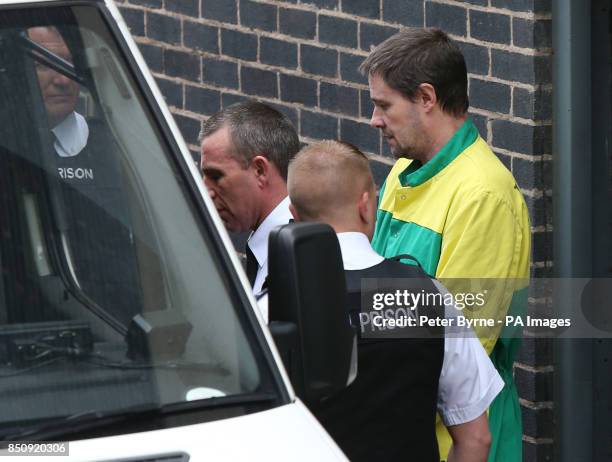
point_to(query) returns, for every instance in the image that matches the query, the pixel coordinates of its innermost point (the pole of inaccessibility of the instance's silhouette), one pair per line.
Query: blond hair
(326, 179)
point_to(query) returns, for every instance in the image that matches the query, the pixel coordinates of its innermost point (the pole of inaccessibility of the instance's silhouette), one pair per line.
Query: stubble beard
(416, 150)
(405, 152)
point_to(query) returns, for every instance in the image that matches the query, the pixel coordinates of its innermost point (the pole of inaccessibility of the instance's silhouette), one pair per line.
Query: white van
(127, 327)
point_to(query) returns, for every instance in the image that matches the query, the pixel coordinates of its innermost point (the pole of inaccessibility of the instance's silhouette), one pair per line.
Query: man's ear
(367, 212)
(261, 167)
(294, 212)
(365, 207)
(427, 96)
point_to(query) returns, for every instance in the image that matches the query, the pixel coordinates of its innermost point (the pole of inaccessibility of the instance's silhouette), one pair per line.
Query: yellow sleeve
(485, 249)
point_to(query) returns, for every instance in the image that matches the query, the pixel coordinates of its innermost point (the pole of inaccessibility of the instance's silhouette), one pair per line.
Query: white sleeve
(468, 380)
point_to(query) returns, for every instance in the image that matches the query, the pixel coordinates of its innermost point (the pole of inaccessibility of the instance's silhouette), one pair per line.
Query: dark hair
(415, 56)
(257, 129)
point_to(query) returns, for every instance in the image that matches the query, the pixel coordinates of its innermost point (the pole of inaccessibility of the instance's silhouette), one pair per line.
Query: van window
(113, 299)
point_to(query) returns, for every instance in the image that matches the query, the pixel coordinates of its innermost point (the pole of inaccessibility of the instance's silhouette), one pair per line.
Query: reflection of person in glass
(93, 194)
(60, 95)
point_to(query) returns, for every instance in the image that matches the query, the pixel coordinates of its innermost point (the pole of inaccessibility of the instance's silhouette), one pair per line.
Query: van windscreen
(112, 297)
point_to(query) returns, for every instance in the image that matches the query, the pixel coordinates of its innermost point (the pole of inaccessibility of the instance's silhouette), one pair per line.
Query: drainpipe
(572, 221)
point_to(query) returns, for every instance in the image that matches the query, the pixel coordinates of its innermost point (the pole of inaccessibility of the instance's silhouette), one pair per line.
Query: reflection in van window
(85, 157)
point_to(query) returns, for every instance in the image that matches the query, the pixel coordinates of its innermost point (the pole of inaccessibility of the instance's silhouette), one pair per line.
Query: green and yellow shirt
(461, 215)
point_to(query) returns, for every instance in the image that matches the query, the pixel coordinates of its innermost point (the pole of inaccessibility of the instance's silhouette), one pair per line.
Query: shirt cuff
(468, 413)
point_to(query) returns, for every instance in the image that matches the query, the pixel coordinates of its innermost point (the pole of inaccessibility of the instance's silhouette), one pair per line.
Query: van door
(119, 311)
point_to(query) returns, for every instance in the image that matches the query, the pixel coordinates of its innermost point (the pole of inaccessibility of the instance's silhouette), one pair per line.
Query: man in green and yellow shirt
(449, 202)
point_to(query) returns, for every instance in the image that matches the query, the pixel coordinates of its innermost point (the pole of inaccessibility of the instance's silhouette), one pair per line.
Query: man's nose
(376, 120)
(60, 79)
(209, 186)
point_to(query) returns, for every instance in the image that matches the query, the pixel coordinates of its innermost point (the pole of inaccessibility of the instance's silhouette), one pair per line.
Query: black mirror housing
(308, 312)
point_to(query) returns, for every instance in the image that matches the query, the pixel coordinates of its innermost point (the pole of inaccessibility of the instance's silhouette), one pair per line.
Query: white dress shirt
(468, 380)
(71, 135)
(258, 242)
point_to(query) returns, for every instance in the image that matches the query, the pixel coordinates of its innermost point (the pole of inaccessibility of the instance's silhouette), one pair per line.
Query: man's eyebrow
(210, 170)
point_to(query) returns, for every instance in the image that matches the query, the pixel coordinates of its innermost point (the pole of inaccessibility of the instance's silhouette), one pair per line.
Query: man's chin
(396, 152)
(57, 113)
(233, 227)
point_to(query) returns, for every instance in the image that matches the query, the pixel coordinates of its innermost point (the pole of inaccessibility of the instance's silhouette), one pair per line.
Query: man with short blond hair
(388, 412)
(328, 178)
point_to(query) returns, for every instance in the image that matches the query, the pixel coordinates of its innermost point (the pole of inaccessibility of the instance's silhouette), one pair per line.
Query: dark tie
(251, 266)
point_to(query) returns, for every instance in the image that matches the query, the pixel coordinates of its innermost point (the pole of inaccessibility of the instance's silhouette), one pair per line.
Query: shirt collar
(357, 253)
(71, 135)
(416, 173)
(258, 241)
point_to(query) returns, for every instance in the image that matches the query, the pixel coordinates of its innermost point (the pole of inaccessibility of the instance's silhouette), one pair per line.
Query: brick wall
(301, 56)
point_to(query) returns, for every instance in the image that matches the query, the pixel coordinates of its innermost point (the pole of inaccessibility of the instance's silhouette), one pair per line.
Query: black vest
(98, 224)
(388, 413)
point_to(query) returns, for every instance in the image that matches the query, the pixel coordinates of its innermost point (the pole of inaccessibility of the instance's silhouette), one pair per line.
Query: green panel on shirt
(408, 238)
(505, 412)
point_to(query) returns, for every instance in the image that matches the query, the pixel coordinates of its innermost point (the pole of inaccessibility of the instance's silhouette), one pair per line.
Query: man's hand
(471, 441)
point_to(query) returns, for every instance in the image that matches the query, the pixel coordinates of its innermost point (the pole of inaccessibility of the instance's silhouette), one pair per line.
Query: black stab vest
(388, 413)
(99, 226)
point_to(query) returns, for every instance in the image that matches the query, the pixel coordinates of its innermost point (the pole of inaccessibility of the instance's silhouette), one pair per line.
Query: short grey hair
(256, 129)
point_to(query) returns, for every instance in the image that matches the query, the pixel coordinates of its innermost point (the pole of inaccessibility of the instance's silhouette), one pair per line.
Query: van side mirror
(307, 309)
